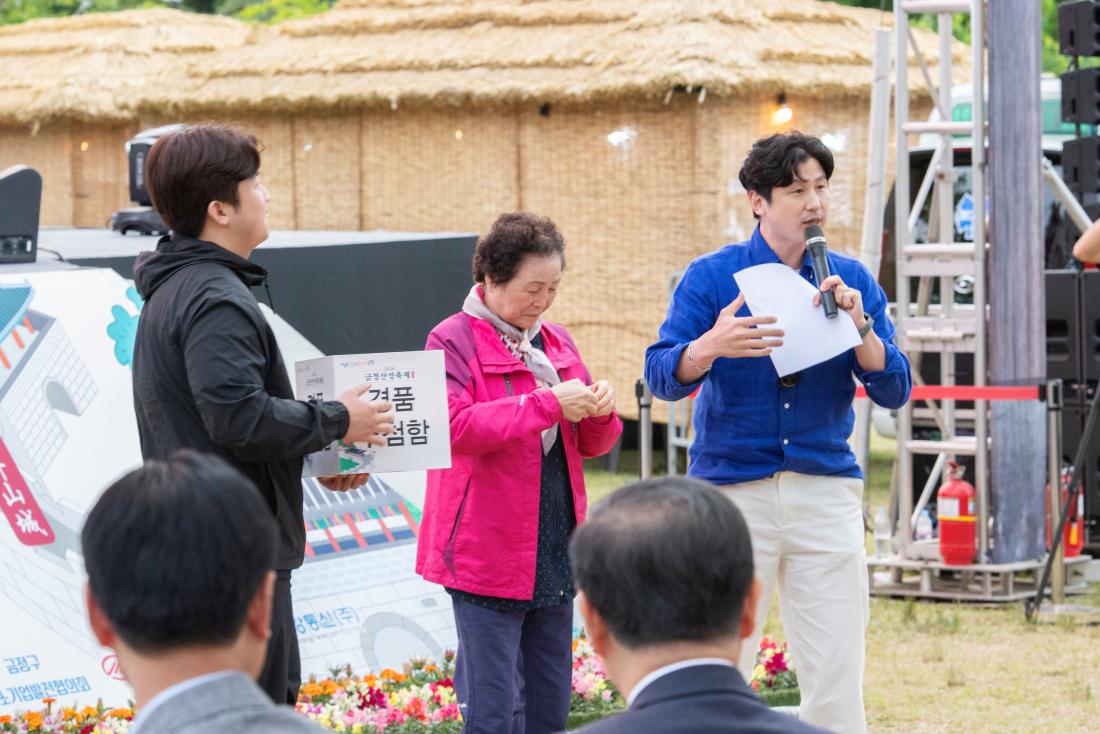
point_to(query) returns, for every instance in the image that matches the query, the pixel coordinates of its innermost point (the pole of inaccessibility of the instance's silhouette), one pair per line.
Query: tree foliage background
(272, 11)
(262, 11)
(1053, 61)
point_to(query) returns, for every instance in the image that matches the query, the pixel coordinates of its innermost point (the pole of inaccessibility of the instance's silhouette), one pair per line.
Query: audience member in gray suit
(180, 557)
(665, 575)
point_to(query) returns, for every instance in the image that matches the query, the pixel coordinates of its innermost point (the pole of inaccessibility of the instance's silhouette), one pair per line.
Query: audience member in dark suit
(665, 574)
(180, 557)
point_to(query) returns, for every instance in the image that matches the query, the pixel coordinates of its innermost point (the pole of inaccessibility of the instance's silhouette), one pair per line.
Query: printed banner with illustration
(67, 430)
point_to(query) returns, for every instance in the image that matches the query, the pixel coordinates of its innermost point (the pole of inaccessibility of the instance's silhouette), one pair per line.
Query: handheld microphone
(815, 243)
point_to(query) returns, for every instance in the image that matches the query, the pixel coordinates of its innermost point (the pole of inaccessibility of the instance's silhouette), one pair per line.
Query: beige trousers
(808, 537)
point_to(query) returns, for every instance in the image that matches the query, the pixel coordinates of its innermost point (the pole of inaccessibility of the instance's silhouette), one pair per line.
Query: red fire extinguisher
(1073, 537)
(958, 525)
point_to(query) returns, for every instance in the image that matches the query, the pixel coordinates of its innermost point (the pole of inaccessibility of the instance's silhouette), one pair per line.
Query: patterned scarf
(519, 344)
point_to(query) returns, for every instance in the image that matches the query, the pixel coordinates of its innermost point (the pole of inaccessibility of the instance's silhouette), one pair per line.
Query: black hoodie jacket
(208, 376)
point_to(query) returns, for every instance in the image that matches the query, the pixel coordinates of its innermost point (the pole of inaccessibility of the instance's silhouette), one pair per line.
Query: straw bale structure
(624, 121)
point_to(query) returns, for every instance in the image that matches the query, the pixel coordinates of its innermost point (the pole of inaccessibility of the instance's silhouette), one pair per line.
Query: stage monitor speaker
(137, 151)
(20, 203)
(1079, 28)
(1063, 349)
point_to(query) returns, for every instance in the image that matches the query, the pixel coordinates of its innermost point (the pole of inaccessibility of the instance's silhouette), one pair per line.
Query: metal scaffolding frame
(950, 328)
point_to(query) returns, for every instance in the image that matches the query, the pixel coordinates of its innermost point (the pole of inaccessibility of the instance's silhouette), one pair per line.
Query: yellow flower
(311, 689)
(34, 719)
(758, 671)
(121, 713)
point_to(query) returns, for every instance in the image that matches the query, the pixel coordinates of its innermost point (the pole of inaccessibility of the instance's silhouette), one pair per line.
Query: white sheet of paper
(809, 338)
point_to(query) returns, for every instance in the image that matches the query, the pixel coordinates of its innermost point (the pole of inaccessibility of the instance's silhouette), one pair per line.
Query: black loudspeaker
(1063, 348)
(1081, 96)
(1081, 165)
(1079, 28)
(1090, 325)
(20, 203)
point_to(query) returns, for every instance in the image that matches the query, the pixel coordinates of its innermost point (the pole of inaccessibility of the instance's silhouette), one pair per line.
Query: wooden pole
(1017, 324)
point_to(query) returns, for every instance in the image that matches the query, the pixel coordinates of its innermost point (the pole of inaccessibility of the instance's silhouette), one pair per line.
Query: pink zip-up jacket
(479, 531)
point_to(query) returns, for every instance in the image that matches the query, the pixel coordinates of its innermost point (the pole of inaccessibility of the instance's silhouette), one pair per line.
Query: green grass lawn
(954, 668)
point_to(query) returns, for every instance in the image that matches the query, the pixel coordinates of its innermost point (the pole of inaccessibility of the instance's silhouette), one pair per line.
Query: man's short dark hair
(774, 161)
(176, 551)
(187, 170)
(665, 560)
(513, 237)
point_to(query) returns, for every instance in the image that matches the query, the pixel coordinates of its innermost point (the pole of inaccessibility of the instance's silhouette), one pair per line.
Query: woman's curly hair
(513, 237)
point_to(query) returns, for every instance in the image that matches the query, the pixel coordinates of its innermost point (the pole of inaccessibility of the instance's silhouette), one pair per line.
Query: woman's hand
(605, 398)
(576, 400)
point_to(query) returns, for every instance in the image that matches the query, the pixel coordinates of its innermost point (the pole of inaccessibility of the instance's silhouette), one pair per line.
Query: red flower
(416, 708)
(777, 664)
(373, 698)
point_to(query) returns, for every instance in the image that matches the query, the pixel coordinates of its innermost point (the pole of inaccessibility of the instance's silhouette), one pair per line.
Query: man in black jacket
(667, 589)
(207, 370)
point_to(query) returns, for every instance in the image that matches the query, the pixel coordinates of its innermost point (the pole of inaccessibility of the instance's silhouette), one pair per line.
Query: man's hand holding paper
(794, 304)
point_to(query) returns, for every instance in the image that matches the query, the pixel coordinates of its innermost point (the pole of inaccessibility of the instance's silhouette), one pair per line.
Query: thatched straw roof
(370, 53)
(103, 66)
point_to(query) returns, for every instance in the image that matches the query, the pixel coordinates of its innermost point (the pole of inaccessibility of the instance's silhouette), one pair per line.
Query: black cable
(55, 253)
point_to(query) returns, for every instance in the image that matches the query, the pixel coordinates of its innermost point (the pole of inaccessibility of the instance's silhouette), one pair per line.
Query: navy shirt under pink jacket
(479, 531)
(747, 426)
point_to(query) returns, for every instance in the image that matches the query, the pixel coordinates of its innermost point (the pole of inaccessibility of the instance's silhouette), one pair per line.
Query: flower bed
(774, 677)
(69, 720)
(594, 696)
(417, 700)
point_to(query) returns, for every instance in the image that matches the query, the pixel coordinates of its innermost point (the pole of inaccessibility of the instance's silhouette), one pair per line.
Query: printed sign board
(414, 383)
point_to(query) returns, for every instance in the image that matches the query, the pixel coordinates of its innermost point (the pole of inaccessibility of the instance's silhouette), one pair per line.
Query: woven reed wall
(327, 172)
(442, 171)
(49, 151)
(98, 164)
(626, 212)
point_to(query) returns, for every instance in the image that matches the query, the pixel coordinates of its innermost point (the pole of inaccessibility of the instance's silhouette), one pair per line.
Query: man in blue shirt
(779, 447)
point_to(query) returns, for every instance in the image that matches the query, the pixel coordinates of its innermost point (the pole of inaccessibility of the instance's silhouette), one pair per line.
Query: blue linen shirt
(747, 427)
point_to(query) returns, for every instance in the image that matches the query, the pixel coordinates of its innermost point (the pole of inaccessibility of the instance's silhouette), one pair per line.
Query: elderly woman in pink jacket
(495, 532)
